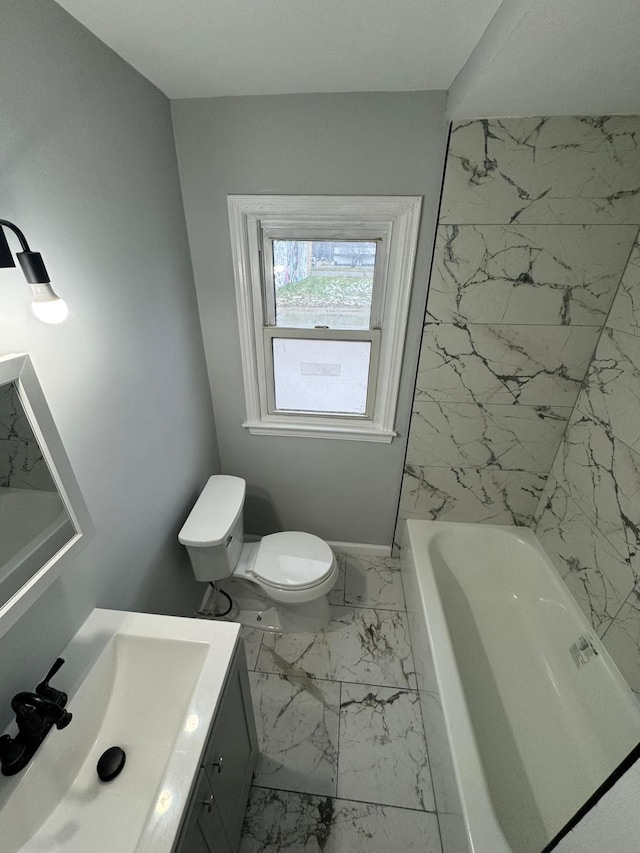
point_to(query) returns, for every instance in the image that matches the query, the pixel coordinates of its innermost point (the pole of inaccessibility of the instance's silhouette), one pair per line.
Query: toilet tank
(213, 533)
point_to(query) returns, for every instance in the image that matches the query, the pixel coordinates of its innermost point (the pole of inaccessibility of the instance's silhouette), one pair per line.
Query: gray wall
(360, 144)
(89, 173)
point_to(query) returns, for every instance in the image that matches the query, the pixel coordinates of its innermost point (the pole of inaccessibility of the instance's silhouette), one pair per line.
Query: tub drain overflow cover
(111, 763)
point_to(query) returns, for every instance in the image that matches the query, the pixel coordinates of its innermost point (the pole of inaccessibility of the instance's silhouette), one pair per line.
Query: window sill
(346, 432)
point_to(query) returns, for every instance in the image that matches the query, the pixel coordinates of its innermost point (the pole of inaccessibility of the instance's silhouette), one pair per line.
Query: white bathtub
(520, 735)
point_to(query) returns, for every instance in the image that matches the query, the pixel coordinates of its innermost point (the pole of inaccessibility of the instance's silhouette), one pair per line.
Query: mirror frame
(18, 368)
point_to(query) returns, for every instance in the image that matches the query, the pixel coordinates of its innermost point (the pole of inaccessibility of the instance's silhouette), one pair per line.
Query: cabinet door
(203, 830)
(231, 756)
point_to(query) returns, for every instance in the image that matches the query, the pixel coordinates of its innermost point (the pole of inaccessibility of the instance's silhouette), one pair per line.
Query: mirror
(42, 513)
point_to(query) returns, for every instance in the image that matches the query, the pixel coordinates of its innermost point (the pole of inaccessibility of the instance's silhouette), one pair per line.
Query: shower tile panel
(382, 738)
(537, 250)
(297, 723)
(470, 494)
(625, 311)
(598, 576)
(284, 822)
(562, 169)
(359, 645)
(622, 641)
(602, 475)
(611, 391)
(532, 365)
(546, 274)
(477, 435)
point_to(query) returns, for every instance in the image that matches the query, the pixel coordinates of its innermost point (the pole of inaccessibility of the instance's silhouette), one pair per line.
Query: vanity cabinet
(213, 818)
(203, 830)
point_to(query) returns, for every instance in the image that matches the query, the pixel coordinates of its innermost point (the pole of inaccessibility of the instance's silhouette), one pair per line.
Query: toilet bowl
(279, 583)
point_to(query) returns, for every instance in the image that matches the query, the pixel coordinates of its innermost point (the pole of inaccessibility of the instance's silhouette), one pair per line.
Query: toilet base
(253, 609)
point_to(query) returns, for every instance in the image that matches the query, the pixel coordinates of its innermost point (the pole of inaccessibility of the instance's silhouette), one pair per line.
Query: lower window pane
(321, 376)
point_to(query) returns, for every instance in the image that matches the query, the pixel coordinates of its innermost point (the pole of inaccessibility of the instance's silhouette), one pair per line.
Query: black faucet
(36, 713)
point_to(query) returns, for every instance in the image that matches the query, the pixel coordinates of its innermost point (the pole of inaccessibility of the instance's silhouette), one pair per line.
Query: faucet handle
(50, 693)
(65, 719)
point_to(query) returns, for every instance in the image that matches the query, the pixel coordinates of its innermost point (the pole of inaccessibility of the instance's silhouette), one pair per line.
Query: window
(323, 286)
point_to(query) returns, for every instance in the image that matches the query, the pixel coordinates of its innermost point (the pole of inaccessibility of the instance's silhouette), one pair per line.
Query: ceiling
(496, 57)
(209, 48)
(554, 57)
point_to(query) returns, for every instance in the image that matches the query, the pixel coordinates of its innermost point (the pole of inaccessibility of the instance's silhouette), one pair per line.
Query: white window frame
(393, 221)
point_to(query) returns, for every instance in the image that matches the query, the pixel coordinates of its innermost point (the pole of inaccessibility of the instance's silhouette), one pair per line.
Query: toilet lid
(293, 560)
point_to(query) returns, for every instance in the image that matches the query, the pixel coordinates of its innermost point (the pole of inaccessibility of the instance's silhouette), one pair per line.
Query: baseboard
(361, 548)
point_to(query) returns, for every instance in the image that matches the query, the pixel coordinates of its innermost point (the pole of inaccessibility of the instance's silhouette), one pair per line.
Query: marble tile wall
(538, 219)
(588, 519)
(22, 465)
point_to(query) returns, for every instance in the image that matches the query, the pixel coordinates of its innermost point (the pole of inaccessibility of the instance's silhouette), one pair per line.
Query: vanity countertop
(149, 684)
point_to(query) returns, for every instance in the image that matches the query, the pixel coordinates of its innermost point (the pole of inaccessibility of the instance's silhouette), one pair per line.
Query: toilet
(279, 583)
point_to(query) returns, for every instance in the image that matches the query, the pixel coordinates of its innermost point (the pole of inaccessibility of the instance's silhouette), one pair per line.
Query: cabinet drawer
(203, 829)
(231, 755)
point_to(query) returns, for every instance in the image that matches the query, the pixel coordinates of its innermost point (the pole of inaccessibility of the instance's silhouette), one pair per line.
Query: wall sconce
(46, 304)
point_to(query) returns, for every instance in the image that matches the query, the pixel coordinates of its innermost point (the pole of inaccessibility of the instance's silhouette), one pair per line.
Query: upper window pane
(323, 283)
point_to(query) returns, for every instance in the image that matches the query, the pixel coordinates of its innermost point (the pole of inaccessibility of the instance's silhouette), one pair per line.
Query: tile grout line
(347, 800)
(339, 727)
(424, 731)
(306, 677)
(344, 681)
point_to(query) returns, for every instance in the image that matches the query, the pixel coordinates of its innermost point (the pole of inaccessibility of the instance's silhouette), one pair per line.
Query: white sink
(151, 687)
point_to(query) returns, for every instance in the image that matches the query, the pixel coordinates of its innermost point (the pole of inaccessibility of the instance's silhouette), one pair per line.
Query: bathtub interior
(545, 732)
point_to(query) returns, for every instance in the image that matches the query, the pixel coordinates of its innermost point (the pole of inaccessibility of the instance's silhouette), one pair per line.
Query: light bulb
(47, 305)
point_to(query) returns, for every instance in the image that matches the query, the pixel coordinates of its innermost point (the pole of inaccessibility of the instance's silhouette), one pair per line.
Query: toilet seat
(293, 561)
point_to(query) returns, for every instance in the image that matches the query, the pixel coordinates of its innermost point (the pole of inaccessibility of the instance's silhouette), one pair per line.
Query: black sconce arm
(23, 240)
(32, 264)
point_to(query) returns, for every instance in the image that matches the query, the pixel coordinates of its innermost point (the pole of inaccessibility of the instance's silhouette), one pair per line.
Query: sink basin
(148, 684)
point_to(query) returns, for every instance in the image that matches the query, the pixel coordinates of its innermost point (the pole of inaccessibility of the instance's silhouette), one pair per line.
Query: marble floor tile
(252, 639)
(544, 274)
(383, 751)
(297, 723)
(501, 364)
(599, 576)
(543, 170)
(358, 645)
(336, 596)
(282, 822)
(479, 435)
(470, 494)
(374, 582)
